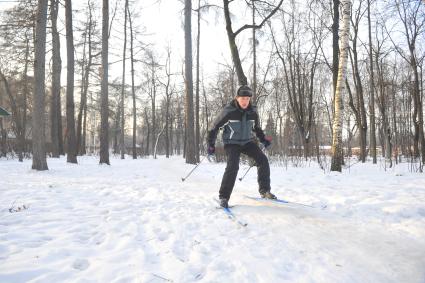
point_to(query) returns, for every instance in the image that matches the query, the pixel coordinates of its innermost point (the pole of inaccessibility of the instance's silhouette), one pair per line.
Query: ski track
(135, 221)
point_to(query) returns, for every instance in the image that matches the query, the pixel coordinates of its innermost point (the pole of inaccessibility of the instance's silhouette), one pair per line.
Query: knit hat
(244, 91)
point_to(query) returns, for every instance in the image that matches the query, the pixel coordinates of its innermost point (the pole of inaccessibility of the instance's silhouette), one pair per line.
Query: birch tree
(337, 157)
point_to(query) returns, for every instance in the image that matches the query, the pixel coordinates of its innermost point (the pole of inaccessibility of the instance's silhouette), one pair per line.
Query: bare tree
(18, 116)
(372, 89)
(55, 107)
(86, 69)
(335, 43)
(198, 51)
(169, 90)
(133, 89)
(412, 15)
(122, 142)
(70, 119)
(104, 108)
(151, 84)
(299, 75)
(17, 42)
(38, 138)
(190, 133)
(358, 103)
(337, 157)
(231, 35)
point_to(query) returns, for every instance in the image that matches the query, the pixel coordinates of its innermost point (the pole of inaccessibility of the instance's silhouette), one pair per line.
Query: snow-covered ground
(136, 221)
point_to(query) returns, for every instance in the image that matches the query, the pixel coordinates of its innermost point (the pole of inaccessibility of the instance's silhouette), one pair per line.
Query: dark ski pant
(233, 152)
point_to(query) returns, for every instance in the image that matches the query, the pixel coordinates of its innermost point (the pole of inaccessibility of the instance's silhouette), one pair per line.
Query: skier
(239, 119)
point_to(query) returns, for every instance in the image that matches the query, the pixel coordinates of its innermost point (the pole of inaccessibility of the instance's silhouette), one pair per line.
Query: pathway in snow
(135, 221)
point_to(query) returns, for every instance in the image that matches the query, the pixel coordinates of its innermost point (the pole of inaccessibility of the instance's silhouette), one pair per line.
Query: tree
(18, 116)
(133, 90)
(198, 51)
(299, 72)
(335, 43)
(38, 138)
(70, 119)
(231, 35)
(190, 133)
(122, 143)
(85, 70)
(169, 90)
(104, 108)
(412, 15)
(16, 59)
(372, 89)
(337, 157)
(151, 83)
(358, 104)
(55, 105)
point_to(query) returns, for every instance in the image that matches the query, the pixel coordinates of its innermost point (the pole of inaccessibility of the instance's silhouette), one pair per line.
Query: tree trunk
(55, 111)
(231, 35)
(358, 107)
(22, 135)
(337, 156)
(122, 145)
(85, 86)
(190, 142)
(168, 94)
(153, 102)
(147, 149)
(70, 119)
(104, 107)
(335, 44)
(133, 90)
(254, 57)
(38, 138)
(198, 48)
(372, 91)
(233, 47)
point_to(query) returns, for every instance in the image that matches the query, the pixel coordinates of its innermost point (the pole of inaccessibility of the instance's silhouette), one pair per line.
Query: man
(239, 119)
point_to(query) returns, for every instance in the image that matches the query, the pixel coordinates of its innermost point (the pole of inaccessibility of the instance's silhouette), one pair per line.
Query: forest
(332, 79)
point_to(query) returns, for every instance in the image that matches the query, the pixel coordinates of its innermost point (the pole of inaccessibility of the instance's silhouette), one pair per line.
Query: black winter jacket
(238, 125)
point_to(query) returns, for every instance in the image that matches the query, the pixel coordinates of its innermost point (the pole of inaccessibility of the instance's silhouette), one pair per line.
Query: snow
(136, 221)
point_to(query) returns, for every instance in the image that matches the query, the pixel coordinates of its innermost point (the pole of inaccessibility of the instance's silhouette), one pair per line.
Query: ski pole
(246, 172)
(184, 179)
(263, 149)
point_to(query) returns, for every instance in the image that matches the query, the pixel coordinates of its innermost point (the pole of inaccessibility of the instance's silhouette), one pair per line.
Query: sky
(166, 21)
(163, 22)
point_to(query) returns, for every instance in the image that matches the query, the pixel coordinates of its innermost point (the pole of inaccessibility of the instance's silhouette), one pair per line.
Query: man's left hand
(267, 141)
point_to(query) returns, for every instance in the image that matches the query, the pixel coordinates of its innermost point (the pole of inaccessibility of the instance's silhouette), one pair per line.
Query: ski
(231, 215)
(284, 202)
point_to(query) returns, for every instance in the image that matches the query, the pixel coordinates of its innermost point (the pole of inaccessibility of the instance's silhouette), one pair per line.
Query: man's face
(243, 101)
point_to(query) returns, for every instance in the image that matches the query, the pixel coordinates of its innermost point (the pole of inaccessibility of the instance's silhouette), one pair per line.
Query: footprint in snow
(81, 264)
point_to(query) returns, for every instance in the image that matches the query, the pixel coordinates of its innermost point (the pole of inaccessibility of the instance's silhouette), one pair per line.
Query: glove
(211, 150)
(267, 141)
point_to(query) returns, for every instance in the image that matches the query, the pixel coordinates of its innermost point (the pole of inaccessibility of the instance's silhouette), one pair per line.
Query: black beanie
(244, 91)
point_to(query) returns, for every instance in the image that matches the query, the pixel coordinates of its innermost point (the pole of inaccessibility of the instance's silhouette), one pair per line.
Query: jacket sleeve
(219, 121)
(257, 129)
